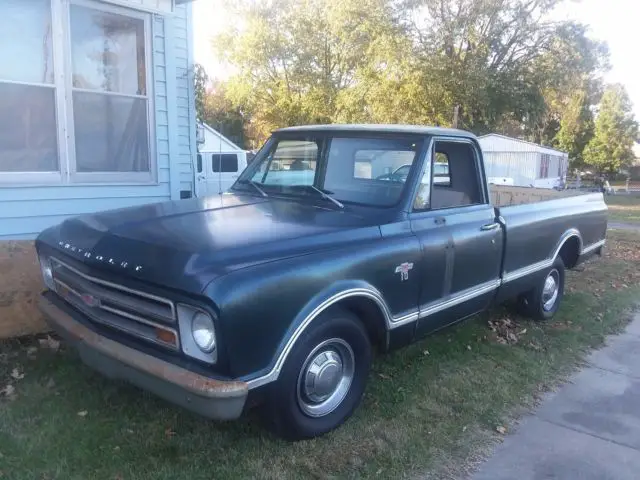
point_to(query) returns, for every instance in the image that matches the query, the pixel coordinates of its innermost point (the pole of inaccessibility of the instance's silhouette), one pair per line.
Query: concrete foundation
(20, 285)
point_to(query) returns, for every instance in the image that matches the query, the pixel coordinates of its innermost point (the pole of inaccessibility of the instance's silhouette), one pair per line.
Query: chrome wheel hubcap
(325, 377)
(550, 290)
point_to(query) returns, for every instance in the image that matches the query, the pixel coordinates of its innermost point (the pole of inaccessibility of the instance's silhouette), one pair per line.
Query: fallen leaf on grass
(468, 347)
(15, 374)
(82, 413)
(501, 430)
(425, 353)
(8, 391)
(50, 343)
(384, 377)
(31, 351)
(169, 433)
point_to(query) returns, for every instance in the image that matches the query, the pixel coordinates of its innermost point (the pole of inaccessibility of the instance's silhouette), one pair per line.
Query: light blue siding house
(96, 108)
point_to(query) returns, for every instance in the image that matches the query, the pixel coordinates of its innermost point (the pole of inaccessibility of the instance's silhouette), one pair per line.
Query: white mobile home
(517, 162)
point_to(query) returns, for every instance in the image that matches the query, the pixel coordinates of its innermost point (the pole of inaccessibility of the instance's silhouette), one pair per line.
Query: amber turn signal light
(166, 337)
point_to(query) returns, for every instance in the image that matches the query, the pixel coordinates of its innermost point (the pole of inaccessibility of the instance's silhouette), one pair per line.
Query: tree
(214, 108)
(503, 66)
(297, 58)
(200, 80)
(615, 132)
(501, 61)
(576, 128)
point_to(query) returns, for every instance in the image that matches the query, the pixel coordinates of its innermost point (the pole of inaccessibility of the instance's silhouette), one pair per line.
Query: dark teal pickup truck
(278, 292)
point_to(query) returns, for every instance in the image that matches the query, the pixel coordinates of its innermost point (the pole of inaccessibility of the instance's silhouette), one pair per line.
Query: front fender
(263, 306)
(331, 295)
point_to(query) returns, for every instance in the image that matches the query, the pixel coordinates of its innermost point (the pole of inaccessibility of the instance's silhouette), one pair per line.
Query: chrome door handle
(491, 226)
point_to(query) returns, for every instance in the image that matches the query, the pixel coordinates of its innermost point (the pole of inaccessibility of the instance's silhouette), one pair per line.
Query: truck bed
(503, 196)
(538, 223)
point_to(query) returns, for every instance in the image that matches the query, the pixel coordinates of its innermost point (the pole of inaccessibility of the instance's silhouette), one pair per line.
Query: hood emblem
(403, 270)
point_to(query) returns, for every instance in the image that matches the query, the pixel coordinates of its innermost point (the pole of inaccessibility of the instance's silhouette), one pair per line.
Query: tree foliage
(615, 132)
(214, 108)
(504, 65)
(576, 128)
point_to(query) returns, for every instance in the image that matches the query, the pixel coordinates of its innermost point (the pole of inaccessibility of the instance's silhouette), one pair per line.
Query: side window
(441, 170)
(455, 181)
(225, 163)
(292, 162)
(199, 162)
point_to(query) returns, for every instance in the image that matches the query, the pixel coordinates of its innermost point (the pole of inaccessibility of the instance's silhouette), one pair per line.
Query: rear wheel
(322, 380)
(542, 302)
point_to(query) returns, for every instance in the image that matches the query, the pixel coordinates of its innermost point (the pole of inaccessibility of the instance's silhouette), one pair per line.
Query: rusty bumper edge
(191, 382)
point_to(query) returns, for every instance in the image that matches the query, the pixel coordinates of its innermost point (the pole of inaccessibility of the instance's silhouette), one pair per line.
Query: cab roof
(379, 128)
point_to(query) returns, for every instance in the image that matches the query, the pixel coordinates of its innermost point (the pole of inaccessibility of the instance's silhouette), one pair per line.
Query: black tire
(532, 303)
(286, 400)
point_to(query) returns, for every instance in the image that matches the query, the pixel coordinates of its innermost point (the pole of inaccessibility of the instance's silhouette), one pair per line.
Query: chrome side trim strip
(546, 263)
(461, 297)
(528, 270)
(523, 272)
(399, 321)
(424, 311)
(390, 321)
(593, 246)
(354, 292)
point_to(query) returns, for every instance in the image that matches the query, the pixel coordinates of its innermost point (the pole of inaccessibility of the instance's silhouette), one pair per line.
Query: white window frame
(63, 85)
(44, 178)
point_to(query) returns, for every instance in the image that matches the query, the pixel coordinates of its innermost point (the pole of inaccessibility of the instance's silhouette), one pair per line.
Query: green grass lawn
(432, 407)
(624, 208)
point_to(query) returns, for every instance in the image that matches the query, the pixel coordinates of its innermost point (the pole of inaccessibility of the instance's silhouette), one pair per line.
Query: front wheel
(542, 302)
(323, 379)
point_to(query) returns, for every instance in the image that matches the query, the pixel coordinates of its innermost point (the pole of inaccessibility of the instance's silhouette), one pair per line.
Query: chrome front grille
(139, 314)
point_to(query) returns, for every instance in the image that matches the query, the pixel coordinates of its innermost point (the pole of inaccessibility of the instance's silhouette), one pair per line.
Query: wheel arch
(360, 298)
(569, 248)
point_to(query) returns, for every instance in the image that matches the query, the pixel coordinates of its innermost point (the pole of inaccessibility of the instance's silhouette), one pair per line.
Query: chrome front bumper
(212, 398)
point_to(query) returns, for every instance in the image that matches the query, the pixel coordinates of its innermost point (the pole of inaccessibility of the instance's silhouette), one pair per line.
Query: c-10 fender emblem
(403, 270)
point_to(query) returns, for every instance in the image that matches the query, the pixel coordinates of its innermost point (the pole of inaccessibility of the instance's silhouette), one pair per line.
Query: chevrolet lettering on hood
(278, 292)
(99, 258)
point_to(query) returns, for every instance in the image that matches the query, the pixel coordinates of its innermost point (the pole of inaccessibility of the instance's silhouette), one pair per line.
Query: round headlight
(203, 332)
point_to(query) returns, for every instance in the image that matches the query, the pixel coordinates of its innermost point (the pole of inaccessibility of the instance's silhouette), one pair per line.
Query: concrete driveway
(589, 429)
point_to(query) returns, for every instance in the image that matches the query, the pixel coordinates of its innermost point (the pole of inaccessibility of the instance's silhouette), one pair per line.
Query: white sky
(615, 21)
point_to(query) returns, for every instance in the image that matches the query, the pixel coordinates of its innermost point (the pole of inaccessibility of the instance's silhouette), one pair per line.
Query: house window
(544, 165)
(560, 166)
(76, 105)
(28, 132)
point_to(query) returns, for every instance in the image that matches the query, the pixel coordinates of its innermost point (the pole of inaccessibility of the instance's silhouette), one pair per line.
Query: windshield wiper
(254, 185)
(327, 197)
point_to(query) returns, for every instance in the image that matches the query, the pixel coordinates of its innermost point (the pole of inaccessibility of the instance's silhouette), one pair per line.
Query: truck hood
(186, 244)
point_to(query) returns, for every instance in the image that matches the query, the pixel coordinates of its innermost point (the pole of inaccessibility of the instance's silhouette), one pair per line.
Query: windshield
(366, 171)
